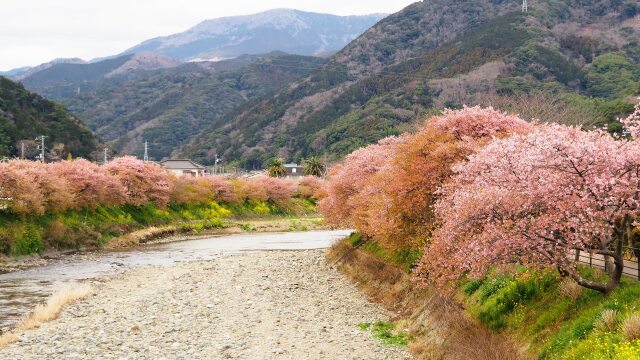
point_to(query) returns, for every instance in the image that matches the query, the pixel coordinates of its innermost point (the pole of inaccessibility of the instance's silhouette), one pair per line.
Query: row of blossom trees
(477, 187)
(28, 187)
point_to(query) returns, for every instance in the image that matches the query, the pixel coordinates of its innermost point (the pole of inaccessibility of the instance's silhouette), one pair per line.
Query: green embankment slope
(87, 229)
(540, 314)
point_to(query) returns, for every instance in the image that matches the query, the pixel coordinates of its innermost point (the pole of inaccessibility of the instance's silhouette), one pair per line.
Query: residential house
(184, 167)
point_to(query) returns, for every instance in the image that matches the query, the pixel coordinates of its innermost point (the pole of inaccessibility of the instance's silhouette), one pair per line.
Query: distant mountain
(23, 72)
(167, 106)
(292, 31)
(443, 53)
(24, 115)
(62, 81)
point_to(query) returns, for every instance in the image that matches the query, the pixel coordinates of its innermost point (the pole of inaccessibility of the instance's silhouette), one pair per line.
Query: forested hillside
(166, 106)
(567, 61)
(24, 115)
(578, 60)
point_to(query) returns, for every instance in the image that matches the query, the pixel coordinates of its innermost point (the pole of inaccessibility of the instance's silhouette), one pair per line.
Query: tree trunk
(614, 262)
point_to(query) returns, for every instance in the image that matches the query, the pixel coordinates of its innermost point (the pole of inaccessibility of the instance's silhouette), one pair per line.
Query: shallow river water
(20, 291)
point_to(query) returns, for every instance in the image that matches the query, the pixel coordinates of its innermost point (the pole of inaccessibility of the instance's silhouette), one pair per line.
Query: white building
(294, 170)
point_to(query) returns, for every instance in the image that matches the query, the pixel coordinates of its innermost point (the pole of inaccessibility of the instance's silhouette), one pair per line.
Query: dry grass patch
(47, 311)
(608, 321)
(51, 309)
(570, 289)
(631, 327)
(7, 339)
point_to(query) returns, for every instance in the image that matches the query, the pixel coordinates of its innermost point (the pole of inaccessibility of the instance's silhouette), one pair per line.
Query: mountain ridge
(289, 30)
(440, 54)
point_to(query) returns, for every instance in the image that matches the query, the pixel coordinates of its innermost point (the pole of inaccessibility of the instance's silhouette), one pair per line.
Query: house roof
(181, 164)
(291, 165)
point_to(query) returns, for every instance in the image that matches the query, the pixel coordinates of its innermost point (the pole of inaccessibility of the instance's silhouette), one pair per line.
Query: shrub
(29, 242)
(56, 234)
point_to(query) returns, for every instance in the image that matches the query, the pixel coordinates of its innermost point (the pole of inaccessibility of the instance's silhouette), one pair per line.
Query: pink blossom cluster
(533, 198)
(347, 191)
(477, 122)
(387, 190)
(28, 187)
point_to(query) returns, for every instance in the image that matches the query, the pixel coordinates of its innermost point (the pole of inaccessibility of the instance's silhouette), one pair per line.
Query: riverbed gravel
(260, 305)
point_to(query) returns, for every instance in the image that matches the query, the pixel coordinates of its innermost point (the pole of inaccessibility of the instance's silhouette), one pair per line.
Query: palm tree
(314, 166)
(276, 168)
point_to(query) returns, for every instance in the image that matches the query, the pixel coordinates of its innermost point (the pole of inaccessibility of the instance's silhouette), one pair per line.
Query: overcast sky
(36, 31)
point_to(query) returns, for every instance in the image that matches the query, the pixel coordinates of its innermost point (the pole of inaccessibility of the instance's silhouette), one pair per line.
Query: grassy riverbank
(533, 314)
(555, 318)
(88, 229)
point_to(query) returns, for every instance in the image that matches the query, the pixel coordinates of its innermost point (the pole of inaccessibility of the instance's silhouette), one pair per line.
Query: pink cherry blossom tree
(311, 187)
(188, 189)
(143, 182)
(55, 191)
(535, 198)
(90, 185)
(248, 189)
(221, 189)
(347, 203)
(18, 191)
(388, 190)
(276, 189)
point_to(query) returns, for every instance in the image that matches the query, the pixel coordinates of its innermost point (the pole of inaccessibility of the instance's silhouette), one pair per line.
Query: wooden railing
(631, 268)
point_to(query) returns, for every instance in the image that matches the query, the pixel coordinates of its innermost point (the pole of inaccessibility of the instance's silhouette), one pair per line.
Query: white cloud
(37, 31)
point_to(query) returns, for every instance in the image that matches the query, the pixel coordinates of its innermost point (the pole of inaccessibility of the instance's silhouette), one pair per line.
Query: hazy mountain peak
(288, 30)
(276, 18)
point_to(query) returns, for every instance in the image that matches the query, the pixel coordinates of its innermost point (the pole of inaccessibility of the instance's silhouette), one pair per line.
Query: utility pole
(105, 155)
(22, 149)
(215, 165)
(41, 147)
(525, 8)
(146, 151)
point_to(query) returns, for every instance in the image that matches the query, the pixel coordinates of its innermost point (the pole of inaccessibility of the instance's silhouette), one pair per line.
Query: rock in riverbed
(261, 305)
